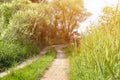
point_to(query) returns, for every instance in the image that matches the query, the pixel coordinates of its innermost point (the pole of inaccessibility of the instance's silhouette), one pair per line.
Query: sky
(95, 7)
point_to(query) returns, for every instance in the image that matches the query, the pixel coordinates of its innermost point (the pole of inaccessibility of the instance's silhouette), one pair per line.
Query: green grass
(98, 56)
(34, 70)
(97, 64)
(96, 59)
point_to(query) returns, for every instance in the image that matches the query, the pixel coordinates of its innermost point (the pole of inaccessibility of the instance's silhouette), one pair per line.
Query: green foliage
(40, 23)
(23, 21)
(34, 70)
(3, 1)
(16, 20)
(14, 53)
(19, 21)
(5, 14)
(98, 57)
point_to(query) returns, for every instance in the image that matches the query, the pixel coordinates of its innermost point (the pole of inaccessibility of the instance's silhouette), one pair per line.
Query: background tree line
(42, 23)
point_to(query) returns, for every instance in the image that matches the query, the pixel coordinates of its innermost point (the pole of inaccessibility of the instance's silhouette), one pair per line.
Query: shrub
(14, 53)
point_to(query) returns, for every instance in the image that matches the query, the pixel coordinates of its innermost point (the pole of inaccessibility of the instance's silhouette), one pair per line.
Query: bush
(14, 53)
(17, 20)
(24, 22)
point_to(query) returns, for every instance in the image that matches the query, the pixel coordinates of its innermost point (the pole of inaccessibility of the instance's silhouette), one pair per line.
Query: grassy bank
(34, 70)
(98, 56)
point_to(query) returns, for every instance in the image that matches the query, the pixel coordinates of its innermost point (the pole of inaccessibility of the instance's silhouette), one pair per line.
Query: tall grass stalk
(98, 57)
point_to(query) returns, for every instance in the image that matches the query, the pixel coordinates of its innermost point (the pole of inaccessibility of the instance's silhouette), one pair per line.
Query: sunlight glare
(95, 7)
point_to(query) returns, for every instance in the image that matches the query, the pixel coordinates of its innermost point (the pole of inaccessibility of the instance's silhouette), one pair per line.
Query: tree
(41, 23)
(67, 15)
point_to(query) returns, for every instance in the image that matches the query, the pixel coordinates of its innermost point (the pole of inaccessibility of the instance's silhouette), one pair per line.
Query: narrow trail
(59, 67)
(27, 62)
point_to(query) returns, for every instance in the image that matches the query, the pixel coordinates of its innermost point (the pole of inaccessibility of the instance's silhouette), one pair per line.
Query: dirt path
(59, 68)
(27, 62)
